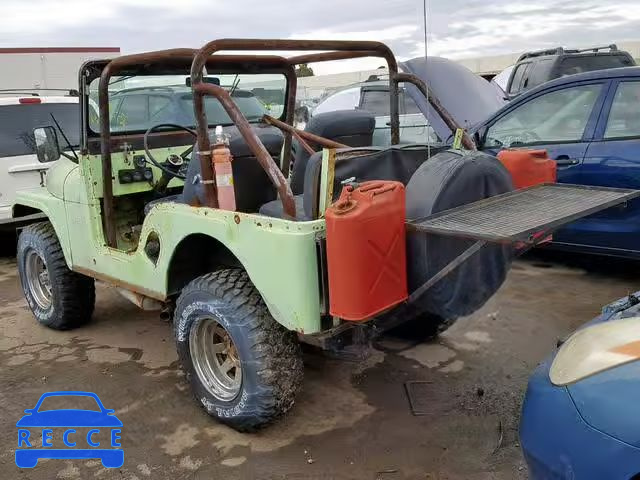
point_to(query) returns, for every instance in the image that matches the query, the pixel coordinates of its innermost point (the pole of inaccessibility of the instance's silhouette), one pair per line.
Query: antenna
(426, 51)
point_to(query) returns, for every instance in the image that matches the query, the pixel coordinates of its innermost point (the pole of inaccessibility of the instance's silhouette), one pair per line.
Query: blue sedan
(590, 124)
(580, 415)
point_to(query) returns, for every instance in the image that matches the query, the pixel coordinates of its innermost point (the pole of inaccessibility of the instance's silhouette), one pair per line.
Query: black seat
(252, 185)
(367, 163)
(350, 127)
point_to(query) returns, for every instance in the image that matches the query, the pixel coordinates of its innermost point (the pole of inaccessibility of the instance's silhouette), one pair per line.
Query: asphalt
(353, 419)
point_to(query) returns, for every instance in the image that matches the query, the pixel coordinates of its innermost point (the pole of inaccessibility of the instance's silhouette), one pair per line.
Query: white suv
(20, 169)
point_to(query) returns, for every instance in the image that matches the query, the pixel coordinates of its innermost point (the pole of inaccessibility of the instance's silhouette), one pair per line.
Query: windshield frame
(224, 65)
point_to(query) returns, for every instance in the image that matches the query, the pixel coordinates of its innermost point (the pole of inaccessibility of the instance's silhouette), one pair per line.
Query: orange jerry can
(366, 250)
(529, 167)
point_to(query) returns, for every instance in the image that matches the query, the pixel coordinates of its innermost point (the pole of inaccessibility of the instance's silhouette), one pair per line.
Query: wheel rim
(215, 359)
(38, 280)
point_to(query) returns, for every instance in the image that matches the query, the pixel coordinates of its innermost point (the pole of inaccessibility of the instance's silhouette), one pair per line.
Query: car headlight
(595, 349)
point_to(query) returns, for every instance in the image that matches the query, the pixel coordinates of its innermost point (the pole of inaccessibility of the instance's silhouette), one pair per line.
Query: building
(47, 68)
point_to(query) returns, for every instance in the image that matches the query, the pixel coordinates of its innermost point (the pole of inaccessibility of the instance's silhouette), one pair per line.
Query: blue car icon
(35, 433)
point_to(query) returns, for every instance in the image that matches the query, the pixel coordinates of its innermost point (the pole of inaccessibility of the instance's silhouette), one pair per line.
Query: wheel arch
(40, 211)
(197, 254)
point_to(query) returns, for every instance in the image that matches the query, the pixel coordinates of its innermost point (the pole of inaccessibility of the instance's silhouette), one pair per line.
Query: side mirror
(47, 147)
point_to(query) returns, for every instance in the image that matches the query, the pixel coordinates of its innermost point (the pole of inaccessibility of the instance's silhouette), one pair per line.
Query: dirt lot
(353, 420)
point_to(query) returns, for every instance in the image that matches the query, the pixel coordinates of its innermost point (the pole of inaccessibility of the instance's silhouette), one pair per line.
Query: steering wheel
(177, 163)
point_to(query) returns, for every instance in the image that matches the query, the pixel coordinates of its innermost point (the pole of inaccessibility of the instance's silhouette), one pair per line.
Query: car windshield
(140, 102)
(66, 402)
(18, 121)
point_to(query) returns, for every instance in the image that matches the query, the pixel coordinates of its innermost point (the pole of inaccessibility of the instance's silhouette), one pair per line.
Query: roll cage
(185, 61)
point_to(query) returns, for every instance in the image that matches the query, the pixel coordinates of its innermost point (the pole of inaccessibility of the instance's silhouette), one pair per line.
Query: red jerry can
(528, 167)
(366, 250)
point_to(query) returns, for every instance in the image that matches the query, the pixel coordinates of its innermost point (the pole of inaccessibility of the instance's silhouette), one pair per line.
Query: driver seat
(253, 187)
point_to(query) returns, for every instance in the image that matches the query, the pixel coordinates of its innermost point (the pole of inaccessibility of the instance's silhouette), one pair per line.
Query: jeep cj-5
(212, 235)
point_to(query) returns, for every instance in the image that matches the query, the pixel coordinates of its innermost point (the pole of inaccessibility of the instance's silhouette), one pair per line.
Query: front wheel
(244, 368)
(58, 297)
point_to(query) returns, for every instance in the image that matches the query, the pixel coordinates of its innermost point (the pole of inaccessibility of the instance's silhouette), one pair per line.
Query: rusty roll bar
(182, 57)
(324, 142)
(344, 50)
(253, 142)
(467, 141)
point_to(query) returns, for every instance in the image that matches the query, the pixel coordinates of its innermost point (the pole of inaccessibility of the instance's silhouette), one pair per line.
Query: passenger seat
(353, 128)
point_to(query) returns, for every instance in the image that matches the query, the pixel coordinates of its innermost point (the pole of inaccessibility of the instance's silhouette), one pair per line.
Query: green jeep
(243, 287)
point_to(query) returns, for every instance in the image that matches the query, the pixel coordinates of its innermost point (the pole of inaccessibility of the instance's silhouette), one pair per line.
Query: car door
(613, 160)
(560, 120)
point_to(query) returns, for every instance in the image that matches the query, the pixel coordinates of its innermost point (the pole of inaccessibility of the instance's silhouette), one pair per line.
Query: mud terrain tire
(226, 309)
(58, 297)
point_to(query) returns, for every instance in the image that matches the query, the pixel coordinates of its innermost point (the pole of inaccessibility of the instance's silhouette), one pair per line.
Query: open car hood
(468, 97)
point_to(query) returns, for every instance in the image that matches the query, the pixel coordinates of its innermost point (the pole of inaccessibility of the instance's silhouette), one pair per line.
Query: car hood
(69, 418)
(469, 98)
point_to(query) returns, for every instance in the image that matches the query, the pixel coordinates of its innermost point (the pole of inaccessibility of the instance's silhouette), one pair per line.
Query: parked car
(373, 96)
(535, 68)
(590, 124)
(579, 418)
(140, 108)
(446, 79)
(20, 113)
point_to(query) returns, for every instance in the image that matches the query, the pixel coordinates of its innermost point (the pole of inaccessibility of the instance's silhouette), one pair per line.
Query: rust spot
(258, 224)
(236, 218)
(270, 225)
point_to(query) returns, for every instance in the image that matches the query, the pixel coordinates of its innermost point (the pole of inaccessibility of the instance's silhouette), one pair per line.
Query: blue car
(590, 124)
(580, 415)
(45, 433)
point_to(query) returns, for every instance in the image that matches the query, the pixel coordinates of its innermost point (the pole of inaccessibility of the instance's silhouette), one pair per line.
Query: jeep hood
(468, 97)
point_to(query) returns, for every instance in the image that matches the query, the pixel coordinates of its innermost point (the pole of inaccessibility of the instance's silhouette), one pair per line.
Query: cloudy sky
(457, 28)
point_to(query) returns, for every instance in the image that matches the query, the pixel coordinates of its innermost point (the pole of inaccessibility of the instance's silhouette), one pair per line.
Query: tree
(304, 70)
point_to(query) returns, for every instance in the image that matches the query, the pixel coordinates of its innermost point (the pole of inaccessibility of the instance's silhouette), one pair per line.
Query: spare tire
(447, 180)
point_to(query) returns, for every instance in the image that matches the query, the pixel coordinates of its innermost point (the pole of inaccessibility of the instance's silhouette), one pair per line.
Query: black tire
(268, 354)
(72, 295)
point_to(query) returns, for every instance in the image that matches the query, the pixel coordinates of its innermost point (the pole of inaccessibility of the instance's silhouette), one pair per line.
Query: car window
(344, 100)
(557, 116)
(133, 113)
(586, 63)
(539, 73)
(376, 102)
(18, 121)
(624, 117)
(517, 77)
(160, 110)
(252, 108)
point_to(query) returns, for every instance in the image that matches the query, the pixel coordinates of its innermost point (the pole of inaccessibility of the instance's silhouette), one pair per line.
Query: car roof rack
(562, 51)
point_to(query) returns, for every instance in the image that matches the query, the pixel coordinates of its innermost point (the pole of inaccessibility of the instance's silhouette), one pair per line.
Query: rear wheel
(244, 368)
(58, 297)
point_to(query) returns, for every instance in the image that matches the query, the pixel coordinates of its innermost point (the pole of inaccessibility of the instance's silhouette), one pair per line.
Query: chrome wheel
(215, 359)
(38, 279)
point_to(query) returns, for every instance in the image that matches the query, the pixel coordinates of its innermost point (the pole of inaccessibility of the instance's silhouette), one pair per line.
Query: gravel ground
(353, 419)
